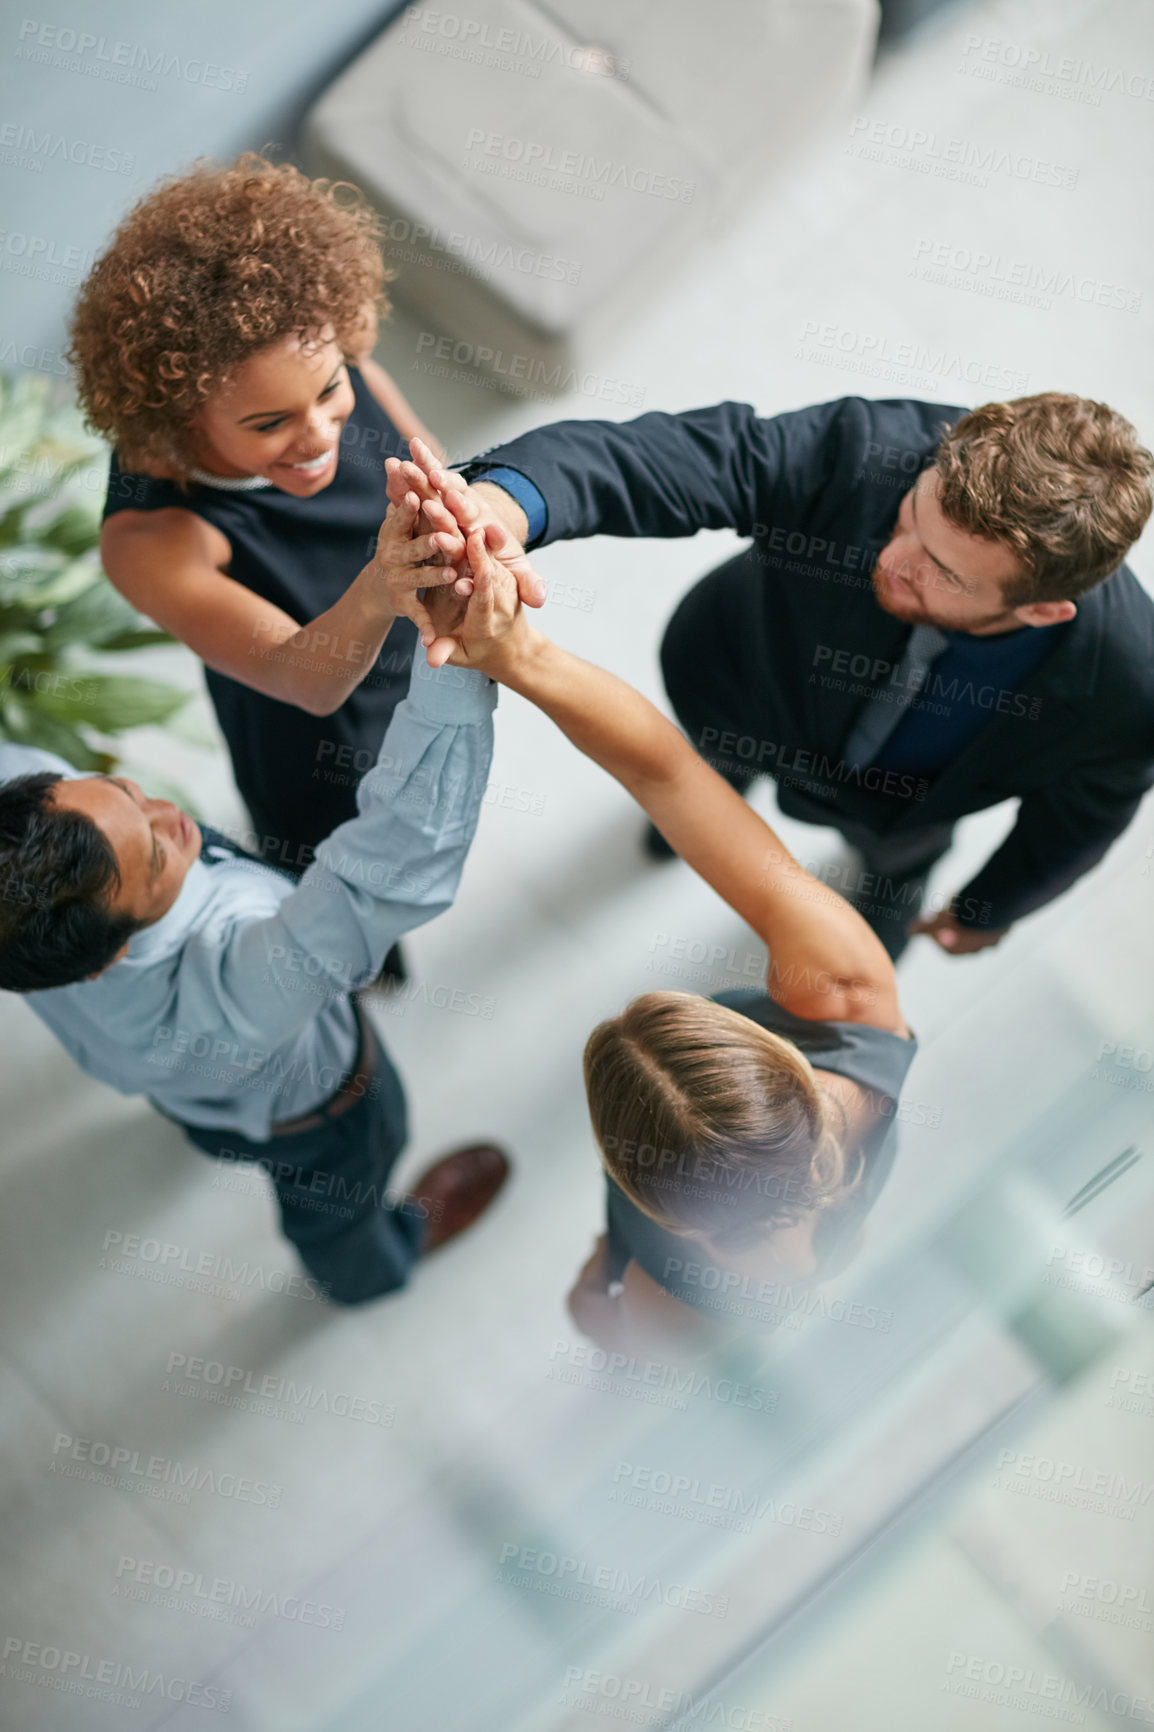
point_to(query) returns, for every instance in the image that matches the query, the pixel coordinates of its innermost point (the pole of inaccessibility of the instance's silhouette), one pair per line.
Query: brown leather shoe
(458, 1188)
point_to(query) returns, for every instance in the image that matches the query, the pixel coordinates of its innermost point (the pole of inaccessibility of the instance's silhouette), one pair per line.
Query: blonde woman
(743, 1138)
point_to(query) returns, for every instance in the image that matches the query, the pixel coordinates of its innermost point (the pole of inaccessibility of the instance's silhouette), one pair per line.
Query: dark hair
(58, 872)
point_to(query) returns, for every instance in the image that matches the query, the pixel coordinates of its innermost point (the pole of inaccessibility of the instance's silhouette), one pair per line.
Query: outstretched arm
(825, 963)
(719, 467)
(389, 869)
(172, 566)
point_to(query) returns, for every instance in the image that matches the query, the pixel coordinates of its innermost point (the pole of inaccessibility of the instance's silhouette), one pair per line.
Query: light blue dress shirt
(232, 1011)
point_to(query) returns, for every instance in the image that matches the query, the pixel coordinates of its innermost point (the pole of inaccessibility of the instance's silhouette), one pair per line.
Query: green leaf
(194, 728)
(73, 580)
(131, 640)
(24, 573)
(23, 425)
(109, 703)
(51, 735)
(75, 530)
(97, 616)
(54, 595)
(12, 521)
(14, 645)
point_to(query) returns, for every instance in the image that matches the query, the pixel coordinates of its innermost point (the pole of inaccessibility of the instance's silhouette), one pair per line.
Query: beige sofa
(541, 170)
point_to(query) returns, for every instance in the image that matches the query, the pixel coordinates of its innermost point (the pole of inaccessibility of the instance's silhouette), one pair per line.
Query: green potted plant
(58, 611)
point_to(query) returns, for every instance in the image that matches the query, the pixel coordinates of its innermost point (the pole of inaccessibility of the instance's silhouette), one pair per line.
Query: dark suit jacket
(818, 491)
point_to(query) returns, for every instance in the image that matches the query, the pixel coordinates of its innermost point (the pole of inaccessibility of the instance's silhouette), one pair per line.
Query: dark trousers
(710, 697)
(354, 1236)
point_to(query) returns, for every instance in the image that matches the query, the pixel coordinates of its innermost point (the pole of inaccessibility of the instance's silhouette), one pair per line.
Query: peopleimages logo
(235, 1385)
(23, 147)
(960, 159)
(135, 63)
(638, 1699)
(1021, 281)
(655, 1376)
(1089, 1271)
(685, 1496)
(130, 1470)
(568, 170)
(216, 1597)
(573, 1578)
(28, 1662)
(1095, 1489)
(722, 1289)
(136, 1254)
(1105, 1601)
(1031, 67)
(1045, 1693)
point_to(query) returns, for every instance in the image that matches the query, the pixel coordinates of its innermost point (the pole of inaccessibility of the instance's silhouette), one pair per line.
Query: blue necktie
(216, 848)
(885, 710)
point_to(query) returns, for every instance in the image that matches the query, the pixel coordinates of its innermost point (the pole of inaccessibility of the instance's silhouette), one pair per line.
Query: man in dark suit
(933, 617)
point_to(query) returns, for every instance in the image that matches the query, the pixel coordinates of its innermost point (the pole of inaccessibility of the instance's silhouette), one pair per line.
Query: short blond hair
(1060, 480)
(710, 1123)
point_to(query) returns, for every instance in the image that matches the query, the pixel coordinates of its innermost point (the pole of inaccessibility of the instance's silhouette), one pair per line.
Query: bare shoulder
(172, 532)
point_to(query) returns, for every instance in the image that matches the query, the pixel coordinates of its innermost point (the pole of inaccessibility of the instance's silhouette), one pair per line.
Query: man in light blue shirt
(171, 965)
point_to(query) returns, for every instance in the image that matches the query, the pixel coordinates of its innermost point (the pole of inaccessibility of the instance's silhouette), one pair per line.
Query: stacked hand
(440, 491)
(417, 549)
(473, 606)
(484, 629)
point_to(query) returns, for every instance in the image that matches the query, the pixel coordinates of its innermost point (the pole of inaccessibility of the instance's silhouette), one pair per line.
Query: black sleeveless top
(687, 1268)
(298, 773)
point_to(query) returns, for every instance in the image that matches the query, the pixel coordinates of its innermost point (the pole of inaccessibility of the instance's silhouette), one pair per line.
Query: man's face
(931, 573)
(155, 843)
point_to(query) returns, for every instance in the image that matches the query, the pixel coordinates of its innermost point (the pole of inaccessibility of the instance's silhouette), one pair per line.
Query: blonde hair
(711, 1124)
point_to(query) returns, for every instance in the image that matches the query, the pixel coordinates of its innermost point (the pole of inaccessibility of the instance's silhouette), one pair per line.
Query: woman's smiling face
(280, 416)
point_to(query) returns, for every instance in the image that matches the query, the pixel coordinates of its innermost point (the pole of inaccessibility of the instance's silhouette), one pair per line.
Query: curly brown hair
(208, 268)
(1062, 480)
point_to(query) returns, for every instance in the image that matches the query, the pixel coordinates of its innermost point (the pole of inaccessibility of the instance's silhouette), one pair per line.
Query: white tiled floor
(557, 922)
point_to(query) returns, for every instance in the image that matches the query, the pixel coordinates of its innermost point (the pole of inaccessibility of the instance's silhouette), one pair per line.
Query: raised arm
(723, 467)
(661, 475)
(170, 565)
(825, 963)
(720, 467)
(393, 867)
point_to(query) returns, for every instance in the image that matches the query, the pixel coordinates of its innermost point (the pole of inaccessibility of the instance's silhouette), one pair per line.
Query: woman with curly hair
(222, 343)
